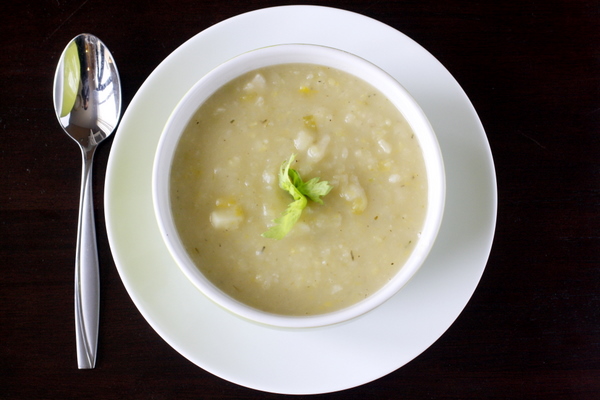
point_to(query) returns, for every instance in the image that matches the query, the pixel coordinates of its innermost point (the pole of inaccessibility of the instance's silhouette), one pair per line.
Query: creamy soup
(225, 192)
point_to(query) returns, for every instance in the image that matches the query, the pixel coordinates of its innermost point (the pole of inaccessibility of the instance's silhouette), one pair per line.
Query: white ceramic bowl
(298, 53)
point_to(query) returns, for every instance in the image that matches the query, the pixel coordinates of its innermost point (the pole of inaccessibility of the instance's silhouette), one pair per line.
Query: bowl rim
(284, 54)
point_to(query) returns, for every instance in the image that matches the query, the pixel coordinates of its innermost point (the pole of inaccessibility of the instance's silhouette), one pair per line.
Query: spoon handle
(87, 276)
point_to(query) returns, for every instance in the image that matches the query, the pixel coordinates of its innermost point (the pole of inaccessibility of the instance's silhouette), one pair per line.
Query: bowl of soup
(298, 186)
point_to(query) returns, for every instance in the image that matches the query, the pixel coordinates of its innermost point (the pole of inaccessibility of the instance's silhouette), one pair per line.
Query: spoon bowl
(87, 101)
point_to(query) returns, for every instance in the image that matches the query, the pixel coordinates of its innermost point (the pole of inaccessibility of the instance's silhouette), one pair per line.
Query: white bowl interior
(283, 54)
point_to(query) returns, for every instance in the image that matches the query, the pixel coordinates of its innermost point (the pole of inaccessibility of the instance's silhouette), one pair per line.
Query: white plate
(315, 360)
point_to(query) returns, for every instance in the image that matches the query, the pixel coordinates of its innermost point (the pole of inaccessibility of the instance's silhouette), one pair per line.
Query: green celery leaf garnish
(287, 220)
(313, 189)
(291, 182)
(289, 179)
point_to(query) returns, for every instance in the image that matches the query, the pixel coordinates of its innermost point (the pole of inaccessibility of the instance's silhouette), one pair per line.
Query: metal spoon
(87, 100)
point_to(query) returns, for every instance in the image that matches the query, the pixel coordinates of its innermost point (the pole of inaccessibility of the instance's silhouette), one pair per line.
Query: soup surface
(225, 192)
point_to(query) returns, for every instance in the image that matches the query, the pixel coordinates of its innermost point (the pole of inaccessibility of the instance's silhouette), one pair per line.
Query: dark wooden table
(530, 331)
